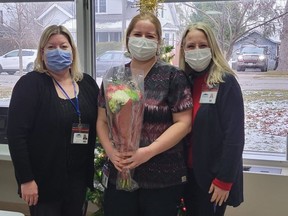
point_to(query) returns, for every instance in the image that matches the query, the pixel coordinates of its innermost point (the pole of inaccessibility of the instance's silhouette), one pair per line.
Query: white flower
(118, 99)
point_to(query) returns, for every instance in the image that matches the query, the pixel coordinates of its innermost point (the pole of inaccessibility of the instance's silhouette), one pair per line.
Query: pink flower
(125, 108)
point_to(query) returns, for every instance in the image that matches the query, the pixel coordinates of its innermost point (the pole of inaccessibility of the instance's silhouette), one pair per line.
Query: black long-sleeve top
(39, 134)
(218, 140)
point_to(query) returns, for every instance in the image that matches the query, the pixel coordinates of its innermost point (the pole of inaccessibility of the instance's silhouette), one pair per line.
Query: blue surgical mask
(58, 60)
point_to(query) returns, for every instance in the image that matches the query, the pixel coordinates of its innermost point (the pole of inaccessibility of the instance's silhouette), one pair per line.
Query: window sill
(4, 152)
(250, 158)
(265, 163)
(268, 156)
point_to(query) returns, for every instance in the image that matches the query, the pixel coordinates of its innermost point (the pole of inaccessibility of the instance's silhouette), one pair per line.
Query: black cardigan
(218, 140)
(39, 134)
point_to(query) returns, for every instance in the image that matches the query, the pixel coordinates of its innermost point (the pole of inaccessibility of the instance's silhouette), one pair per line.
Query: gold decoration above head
(149, 5)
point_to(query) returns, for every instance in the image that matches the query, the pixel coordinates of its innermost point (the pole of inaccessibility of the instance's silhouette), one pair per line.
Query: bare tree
(21, 26)
(283, 51)
(233, 20)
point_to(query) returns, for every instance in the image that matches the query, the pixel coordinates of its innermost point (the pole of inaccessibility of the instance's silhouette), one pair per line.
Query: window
(27, 53)
(166, 38)
(29, 23)
(265, 92)
(12, 54)
(265, 98)
(108, 36)
(102, 37)
(1, 17)
(100, 6)
(34, 17)
(115, 36)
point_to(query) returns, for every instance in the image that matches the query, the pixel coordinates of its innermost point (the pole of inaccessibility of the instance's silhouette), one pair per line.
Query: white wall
(113, 7)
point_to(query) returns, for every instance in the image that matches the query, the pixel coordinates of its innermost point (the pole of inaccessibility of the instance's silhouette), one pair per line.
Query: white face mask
(141, 48)
(198, 59)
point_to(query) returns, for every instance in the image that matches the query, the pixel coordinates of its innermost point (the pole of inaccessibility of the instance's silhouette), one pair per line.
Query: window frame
(261, 158)
(85, 20)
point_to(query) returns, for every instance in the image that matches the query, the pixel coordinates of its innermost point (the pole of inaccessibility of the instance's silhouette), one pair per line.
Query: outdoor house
(110, 23)
(59, 14)
(254, 38)
(50, 14)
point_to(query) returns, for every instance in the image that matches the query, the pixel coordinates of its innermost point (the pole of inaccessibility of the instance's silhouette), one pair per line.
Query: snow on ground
(266, 124)
(266, 117)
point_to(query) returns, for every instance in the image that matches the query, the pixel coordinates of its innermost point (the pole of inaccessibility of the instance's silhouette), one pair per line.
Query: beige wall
(264, 195)
(8, 187)
(9, 199)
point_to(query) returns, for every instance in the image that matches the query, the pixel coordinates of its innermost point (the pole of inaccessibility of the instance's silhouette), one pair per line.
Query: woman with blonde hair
(158, 163)
(52, 109)
(215, 144)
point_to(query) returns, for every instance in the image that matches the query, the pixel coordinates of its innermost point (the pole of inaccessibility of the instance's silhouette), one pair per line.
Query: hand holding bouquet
(124, 94)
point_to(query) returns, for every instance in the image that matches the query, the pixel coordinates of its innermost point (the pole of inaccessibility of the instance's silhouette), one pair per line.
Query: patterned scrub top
(167, 91)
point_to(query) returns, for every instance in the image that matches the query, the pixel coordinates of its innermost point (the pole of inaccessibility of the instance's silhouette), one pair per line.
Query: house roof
(169, 26)
(53, 7)
(260, 35)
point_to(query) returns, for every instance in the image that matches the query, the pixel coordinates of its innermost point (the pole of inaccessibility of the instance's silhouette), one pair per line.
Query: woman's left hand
(219, 195)
(140, 156)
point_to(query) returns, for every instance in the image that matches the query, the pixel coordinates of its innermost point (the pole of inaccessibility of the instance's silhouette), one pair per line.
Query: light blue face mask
(58, 59)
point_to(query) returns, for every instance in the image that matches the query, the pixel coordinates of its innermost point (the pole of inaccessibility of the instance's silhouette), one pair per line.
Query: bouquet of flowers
(124, 94)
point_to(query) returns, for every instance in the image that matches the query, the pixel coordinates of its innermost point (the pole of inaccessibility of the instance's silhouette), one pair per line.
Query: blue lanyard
(75, 105)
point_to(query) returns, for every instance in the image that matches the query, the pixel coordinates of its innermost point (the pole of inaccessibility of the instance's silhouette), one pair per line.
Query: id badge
(208, 95)
(105, 175)
(80, 133)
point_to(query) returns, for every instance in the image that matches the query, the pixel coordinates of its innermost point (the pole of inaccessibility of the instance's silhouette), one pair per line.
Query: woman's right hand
(29, 192)
(117, 159)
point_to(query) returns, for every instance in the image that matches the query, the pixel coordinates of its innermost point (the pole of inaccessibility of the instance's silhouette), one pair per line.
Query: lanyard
(75, 105)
